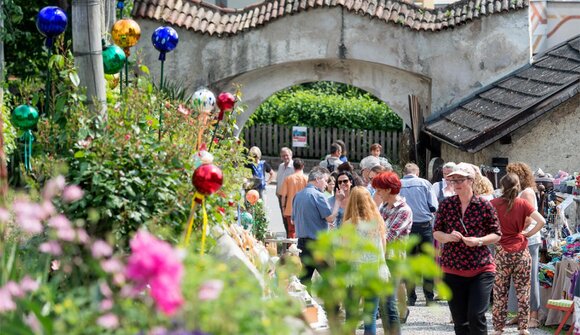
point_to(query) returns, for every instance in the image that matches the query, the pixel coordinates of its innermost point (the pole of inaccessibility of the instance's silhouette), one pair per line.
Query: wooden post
(87, 47)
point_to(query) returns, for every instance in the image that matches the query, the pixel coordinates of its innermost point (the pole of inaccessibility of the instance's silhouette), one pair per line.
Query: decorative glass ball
(51, 21)
(203, 100)
(165, 39)
(24, 117)
(113, 59)
(126, 33)
(207, 179)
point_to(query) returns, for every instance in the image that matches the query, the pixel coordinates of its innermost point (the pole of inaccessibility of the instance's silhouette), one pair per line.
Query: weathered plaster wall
(550, 142)
(454, 63)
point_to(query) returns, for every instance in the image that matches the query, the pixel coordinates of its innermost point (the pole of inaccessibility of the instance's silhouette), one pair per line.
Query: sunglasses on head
(342, 181)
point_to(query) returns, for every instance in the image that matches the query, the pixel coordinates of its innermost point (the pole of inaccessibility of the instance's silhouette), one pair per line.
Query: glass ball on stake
(164, 39)
(126, 33)
(113, 59)
(25, 117)
(51, 21)
(203, 103)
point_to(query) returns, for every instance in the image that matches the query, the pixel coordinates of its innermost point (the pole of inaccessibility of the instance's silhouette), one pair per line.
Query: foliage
(9, 132)
(260, 219)
(55, 279)
(25, 57)
(342, 249)
(328, 105)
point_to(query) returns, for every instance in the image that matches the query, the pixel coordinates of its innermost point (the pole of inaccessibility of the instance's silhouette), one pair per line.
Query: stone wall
(388, 60)
(550, 142)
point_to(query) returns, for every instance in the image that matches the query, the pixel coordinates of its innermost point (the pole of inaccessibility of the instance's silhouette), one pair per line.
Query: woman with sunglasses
(466, 224)
(344, 183)
(513, 258)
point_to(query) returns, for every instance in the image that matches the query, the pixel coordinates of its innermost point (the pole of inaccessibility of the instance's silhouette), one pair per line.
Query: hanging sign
(299, 136)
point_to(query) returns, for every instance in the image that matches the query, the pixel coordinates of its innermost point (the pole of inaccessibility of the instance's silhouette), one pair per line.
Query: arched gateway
(390, 48)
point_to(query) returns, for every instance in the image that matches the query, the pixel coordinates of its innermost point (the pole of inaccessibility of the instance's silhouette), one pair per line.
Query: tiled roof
(210, 19)
(511, 102)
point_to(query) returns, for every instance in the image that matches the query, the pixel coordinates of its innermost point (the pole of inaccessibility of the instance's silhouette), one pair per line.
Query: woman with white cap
(466, 224)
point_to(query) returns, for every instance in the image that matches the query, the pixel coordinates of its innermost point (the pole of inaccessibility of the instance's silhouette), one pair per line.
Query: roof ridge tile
(204, 17)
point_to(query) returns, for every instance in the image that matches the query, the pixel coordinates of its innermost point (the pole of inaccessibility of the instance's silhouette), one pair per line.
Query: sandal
(534, 323)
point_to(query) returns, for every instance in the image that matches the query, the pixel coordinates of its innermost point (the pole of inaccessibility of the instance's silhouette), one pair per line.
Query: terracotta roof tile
(207, 18)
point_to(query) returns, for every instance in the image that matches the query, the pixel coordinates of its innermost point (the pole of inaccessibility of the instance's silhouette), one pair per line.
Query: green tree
(329, 105)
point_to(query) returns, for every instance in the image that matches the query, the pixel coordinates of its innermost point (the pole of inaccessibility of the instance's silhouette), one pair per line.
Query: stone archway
(390, 85)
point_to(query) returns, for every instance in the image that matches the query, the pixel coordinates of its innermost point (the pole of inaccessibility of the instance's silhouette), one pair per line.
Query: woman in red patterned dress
(466, 224)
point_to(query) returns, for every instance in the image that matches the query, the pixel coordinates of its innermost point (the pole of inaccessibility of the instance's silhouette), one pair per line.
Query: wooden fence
(270, 138)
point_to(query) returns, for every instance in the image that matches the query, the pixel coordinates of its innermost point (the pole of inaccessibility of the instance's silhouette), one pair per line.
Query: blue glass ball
(51, 21)
(164, 39)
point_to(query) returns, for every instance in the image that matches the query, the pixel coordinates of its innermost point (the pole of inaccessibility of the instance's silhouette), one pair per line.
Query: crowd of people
(487, 241)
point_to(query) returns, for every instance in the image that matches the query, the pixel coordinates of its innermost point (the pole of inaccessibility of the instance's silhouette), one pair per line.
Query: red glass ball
(226, 101)
(207, 179)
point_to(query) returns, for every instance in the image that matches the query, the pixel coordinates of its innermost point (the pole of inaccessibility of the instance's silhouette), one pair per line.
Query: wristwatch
(479, 242)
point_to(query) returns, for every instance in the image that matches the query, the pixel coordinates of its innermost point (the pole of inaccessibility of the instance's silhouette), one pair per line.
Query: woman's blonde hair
(256, 153)
(361, 207)
(482, 186)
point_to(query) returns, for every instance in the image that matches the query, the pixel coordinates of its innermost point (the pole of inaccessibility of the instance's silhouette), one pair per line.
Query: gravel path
(436, 320)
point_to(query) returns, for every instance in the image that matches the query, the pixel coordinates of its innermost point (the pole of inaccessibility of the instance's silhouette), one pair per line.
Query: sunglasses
(343, 181)
(456, 181)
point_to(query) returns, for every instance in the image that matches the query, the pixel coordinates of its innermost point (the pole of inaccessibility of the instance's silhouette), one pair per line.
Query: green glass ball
(24, 117)
(113, 59)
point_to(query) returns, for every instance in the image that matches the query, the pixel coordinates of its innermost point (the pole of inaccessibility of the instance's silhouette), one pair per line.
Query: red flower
(221, 210)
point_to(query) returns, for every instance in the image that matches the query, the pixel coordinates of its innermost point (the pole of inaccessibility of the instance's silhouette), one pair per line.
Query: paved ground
(423, 320)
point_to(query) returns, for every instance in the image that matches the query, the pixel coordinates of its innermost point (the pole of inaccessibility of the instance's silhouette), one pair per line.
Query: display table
(284, 241)
(560, 290)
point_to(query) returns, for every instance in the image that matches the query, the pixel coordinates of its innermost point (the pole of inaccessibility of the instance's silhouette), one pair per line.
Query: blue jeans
(369, 314)
(389, 313)
(424, 230)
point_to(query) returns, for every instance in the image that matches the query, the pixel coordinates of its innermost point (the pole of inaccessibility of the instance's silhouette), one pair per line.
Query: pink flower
(183, 110)
(210, 290)
(109, 321)
(28, 284)
(72, 193)
(112, 265)
(28, 216)
(51, 247)
(66, 234)
(14, 289)
(128, 137)
(6, 302)
(4, 215)
(106, 305)
(105, 289)
(154, 262)
(166, 293)
(101, 249)
(59, 222)
(32, 321)
(55, 265)
(82, 236)
(53, 187)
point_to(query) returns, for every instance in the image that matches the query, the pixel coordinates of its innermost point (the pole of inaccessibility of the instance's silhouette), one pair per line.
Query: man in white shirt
(442, 189)
(285, 169)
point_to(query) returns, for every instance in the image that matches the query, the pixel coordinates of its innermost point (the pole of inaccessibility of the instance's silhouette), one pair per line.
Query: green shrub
(327, 105)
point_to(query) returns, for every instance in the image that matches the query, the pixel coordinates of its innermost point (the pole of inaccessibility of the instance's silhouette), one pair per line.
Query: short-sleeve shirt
(480, 219)
(513, 223)
(283, 173)
(309, 212)
(292, 185)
